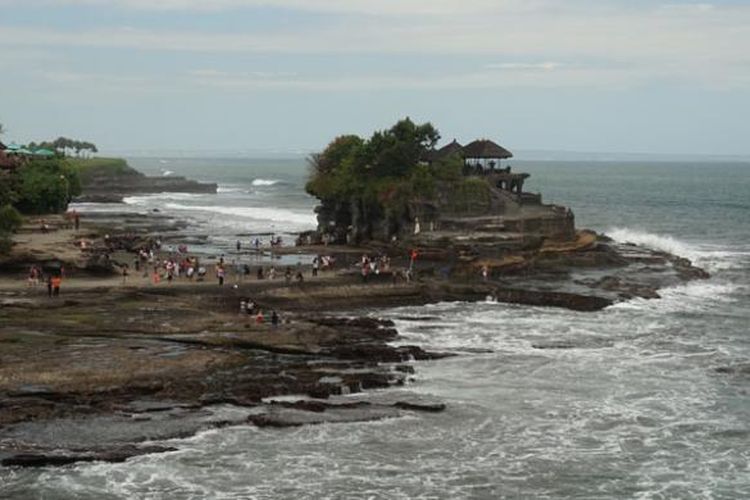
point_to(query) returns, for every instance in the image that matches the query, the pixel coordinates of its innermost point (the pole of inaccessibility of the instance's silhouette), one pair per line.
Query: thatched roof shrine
(485, 149)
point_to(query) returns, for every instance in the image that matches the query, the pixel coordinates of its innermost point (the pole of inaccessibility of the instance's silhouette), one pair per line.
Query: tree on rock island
(375, 188)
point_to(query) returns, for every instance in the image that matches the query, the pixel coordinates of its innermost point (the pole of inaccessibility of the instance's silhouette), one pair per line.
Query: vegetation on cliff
(374, 188)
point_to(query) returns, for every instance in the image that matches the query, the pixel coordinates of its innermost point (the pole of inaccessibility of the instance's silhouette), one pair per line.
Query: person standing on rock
(413, 258)
(315, 265)
(220, 274)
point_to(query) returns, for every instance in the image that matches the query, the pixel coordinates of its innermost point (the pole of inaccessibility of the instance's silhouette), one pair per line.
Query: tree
(369, 184)
(10, 219)
(46, 186)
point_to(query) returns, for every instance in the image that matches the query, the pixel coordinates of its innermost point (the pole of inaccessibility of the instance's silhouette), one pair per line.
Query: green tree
(10, 219)
(46, 186)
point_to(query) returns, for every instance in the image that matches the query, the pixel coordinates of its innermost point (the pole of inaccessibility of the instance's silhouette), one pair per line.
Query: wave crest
(710, 256)
(664, 243)
(264, 182)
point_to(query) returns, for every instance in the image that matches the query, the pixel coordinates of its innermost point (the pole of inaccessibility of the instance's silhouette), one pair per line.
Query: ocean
(649, 399)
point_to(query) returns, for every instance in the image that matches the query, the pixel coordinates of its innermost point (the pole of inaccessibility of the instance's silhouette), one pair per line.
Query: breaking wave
(304, 219)
(711, 257)
(264, 182)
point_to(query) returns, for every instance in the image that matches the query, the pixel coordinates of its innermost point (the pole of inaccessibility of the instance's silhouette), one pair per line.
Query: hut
(484, 154)
(435, 155)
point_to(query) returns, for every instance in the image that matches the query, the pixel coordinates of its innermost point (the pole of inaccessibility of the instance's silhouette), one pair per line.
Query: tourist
(413, 258)
(274, 319)
(33, 276)
(56, 282)
(365, 268)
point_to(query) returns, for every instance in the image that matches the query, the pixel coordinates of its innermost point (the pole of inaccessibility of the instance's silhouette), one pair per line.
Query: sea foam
(264, 182)
(255, 213)
(709, 256)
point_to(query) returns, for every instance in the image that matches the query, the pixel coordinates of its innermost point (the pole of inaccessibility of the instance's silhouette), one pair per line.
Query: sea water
(647, 399)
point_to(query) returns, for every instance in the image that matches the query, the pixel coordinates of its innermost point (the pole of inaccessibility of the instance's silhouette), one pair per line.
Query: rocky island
(120, 359)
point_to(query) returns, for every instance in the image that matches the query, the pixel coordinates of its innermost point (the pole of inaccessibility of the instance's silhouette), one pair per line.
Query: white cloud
(697, 43)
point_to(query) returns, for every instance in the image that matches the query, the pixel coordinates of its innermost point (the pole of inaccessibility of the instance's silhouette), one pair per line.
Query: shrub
(6, 243)
(10, 219)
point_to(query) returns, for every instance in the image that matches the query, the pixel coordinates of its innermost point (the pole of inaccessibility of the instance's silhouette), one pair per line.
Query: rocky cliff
(109, 180)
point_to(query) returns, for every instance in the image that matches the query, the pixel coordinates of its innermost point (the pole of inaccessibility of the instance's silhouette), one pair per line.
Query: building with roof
(482, 153)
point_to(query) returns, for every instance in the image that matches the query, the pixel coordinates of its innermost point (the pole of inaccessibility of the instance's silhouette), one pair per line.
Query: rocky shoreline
(110, 366)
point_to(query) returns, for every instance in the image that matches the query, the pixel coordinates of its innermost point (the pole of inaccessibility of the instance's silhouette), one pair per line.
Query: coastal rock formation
(109, 181)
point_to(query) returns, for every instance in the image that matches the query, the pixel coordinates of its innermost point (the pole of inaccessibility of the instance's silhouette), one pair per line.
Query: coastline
(158, 361)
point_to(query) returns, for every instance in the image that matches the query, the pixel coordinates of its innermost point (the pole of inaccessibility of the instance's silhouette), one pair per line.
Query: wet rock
(572, 301)
(625, 289)
(55, 459)
(424, 407)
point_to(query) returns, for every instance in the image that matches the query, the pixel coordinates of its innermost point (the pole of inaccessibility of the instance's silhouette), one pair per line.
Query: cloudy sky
(263, 75)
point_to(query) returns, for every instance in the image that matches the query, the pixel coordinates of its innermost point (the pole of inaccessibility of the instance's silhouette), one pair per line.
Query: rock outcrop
(110, 184)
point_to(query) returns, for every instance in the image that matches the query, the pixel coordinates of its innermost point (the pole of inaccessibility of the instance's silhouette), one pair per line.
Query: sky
(287, 76)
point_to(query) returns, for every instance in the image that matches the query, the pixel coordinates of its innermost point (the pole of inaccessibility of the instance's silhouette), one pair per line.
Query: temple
(484, 157)
(510, 213)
